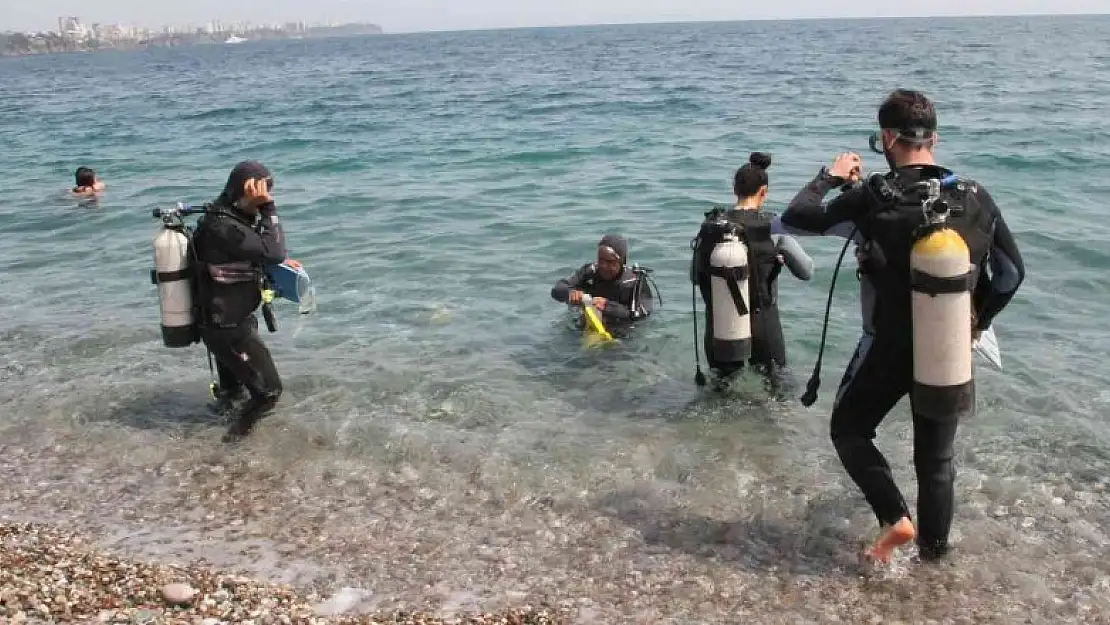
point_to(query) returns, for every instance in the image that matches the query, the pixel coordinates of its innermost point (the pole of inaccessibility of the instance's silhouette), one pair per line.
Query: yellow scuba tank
(941, 308)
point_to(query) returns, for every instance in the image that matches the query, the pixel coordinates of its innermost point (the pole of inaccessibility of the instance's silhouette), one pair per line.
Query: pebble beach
(346, 543)
(51, 575)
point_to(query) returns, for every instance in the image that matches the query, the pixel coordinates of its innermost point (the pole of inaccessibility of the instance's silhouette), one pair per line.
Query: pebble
(178, 593)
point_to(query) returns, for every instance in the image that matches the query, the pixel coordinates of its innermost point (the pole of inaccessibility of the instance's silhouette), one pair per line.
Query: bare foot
(893, 537)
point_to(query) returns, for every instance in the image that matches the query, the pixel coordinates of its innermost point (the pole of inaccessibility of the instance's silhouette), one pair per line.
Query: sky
(397, 16)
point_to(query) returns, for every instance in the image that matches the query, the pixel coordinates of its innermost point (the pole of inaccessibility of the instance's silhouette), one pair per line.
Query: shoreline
(39, 45)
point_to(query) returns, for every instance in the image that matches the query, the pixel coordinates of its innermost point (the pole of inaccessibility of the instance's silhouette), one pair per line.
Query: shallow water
(435, 186)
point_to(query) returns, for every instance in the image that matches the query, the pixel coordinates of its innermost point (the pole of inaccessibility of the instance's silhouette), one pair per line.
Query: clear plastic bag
(987, 347)
(306, 295)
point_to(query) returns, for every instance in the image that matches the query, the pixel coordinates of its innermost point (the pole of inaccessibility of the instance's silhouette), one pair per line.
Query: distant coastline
(81, 39)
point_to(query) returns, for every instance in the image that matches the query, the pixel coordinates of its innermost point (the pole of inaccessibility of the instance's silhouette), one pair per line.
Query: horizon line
(662, 22)
(810, 18)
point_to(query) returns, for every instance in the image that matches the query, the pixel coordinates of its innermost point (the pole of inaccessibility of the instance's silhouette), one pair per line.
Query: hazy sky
(417, 15)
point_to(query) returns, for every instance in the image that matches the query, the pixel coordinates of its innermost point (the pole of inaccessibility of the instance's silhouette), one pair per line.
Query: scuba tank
(941, 281)
(173, 274)
(729, 293)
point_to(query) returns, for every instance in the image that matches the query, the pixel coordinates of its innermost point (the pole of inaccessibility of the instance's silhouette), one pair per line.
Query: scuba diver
(619, 292)
(235, 238)
(741, 293)
(937, 264)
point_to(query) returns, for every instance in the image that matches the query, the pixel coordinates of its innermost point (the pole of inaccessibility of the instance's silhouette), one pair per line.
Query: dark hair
(242, 172)
(85, 177)
(753, 176)
(909, 111)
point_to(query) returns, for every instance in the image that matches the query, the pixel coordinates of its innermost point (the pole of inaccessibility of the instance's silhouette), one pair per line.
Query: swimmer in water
(87, 186)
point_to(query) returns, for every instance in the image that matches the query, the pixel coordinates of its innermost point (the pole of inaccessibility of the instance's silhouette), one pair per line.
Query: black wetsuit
(768, 346)
(881, 370)
(628, 296)
(231, 251)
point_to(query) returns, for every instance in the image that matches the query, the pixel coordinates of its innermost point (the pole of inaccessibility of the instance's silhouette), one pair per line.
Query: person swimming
(87, 185)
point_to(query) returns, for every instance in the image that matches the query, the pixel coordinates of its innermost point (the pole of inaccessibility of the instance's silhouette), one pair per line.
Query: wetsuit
(231, 250)
(628, 296)
(881, 370)
(768, 346)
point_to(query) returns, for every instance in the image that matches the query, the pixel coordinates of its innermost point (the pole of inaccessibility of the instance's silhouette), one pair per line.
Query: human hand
(575, 297)
(599, 303)
(847, 166)
(256, 192)
(780, 259)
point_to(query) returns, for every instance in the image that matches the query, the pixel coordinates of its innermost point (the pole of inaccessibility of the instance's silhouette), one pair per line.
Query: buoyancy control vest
(228, 291)
(627, 289)
(897, 221)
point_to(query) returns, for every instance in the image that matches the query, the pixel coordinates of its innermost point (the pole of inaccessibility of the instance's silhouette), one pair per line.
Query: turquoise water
(435, 186)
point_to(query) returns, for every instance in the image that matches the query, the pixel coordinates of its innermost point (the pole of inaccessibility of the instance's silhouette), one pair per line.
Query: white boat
(235, 39)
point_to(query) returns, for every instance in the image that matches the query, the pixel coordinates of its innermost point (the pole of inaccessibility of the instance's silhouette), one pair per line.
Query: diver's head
(84, 177)
(750, 182)
(235, 190)
(908, 128)
(612, 254)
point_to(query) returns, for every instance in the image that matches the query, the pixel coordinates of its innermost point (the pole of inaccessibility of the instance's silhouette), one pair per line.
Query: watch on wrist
(829, 178)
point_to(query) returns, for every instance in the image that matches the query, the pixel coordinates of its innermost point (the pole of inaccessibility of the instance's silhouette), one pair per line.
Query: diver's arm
(1007, 272)
(561, 291)
(242, 242)
(808, 215)
(797, 261)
